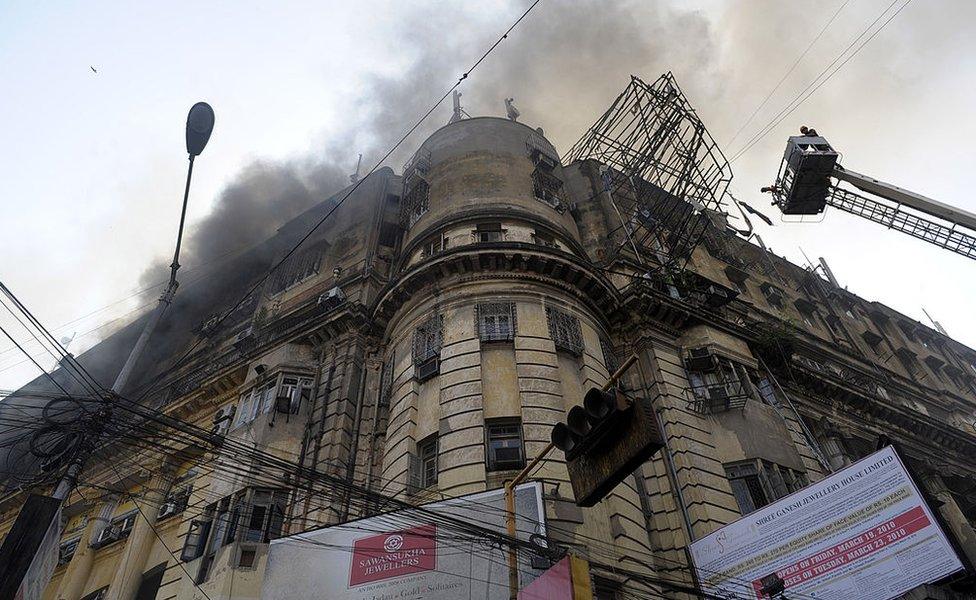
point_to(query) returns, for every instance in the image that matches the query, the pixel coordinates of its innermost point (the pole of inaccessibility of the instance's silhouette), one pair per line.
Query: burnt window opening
(548, 188)
(489, 232)
(565, 331)
(496, 321)
(296, 269)
(503, 441)
(427, 341)
(756, 483)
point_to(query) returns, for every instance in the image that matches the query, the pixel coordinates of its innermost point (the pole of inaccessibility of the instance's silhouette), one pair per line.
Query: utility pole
(34, 527)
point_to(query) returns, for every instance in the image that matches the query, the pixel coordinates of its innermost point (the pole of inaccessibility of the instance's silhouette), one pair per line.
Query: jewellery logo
(394, 554)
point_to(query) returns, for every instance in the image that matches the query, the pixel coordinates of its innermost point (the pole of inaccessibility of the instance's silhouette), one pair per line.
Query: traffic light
(605, 440)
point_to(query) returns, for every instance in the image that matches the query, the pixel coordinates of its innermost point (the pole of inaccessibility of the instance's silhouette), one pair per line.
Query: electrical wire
(801, 98)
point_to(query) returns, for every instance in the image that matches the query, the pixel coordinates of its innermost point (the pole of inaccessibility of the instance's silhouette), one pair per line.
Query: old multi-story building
(424, 341)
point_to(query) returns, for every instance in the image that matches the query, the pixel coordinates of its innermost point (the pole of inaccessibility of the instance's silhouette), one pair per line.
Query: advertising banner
(863, 533)
(408, 554)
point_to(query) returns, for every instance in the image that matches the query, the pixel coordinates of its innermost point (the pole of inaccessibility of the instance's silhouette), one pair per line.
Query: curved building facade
(422, 344)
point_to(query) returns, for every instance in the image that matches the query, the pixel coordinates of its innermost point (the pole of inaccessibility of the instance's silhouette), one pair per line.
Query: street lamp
(37, 516)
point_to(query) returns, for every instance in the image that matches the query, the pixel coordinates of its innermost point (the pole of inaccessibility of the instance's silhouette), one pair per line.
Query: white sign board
(863, 533)
(407, 554)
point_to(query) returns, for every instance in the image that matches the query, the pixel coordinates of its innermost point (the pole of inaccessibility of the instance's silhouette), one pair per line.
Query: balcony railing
(712, 398)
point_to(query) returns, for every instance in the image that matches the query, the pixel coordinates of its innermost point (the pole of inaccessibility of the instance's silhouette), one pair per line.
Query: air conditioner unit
(700, 359)
(167, 509)
(105, 537)
(428, 369)
(332, 297)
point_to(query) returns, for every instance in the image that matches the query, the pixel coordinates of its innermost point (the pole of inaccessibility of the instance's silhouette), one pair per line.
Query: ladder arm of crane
(911, 199)
(943, 235)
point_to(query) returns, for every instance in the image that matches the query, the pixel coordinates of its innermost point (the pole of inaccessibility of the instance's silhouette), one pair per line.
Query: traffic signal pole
(513, 579)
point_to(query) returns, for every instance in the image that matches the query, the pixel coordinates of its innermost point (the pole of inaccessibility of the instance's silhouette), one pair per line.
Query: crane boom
(804, 187)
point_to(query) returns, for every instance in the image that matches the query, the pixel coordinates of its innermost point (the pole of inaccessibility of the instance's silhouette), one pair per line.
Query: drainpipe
(306, 438)
(354, 443)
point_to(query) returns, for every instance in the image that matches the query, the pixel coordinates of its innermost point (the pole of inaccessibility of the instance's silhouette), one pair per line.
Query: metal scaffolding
(662, 169)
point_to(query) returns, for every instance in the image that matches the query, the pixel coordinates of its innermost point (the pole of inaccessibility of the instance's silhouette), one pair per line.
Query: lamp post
(37, 518)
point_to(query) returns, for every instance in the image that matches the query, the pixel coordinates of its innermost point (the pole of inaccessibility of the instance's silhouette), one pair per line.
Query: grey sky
(92, 169)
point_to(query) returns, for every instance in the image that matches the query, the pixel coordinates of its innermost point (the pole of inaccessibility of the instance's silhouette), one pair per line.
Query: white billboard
(863, 533)
(407, 554)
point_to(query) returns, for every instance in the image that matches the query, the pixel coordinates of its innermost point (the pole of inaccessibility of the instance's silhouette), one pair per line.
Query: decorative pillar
(132, 563)
(952, 514)
(76, 574)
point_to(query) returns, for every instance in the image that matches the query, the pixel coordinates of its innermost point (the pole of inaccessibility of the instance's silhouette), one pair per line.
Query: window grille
(428, 339)
(416, 201)
(296, 269)
(496, 321)
(609, 358)
(489, 232)
(565, 331)
(386, 381)
(548, 188)
(504, 442)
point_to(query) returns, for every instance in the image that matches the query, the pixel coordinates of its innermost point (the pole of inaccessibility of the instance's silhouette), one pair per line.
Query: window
(434, 245)
(245, 560)
(716, 383)
(547, 187)
(124, 524)
(489, 232)
(773, 294)
(544, 239)
(503, 439)
(66, 550)
(496, 321)
(428, 462)
(285, 393)
(151, 582)
(254, 515)
(416, 201)
(176, 501)
(756, 483)
(296, 269)
(565, 331)
(386, 384)
(292, 393)
(427, 341)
